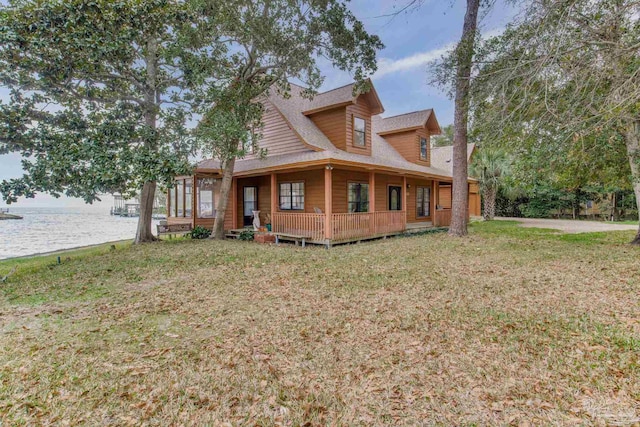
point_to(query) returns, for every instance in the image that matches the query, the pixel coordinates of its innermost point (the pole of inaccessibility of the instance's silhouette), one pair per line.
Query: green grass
(510, 325)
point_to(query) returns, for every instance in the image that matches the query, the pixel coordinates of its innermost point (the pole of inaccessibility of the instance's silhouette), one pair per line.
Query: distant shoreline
(62, 251)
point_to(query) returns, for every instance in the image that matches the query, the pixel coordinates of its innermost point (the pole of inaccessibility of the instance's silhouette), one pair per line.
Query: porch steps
(235, 234)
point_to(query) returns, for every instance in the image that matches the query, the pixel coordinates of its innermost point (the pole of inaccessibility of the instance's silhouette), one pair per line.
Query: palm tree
(490, 166)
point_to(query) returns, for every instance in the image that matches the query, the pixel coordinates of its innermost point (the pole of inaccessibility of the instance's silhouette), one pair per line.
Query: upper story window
(359, 132)
(249, 144)
(424, 149)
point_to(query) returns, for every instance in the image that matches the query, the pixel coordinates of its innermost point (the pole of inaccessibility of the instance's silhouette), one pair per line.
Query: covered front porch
(328, 204)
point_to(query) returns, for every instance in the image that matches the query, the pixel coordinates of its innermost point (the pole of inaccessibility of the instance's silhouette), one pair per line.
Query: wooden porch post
(194, 202)
(404, 200)
(234, 203)
(372, 191)
(372, 202)
(328, 203)
(436, 202)
(274, 199)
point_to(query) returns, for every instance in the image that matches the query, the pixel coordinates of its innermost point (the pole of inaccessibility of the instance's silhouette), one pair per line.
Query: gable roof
(340, 97)
(442, 157)
(321, 150)
(409, 121)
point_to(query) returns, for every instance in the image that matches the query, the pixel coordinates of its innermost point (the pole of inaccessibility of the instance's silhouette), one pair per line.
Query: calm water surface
(51, 229)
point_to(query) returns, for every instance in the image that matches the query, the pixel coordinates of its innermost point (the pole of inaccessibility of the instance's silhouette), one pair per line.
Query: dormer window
(423, 149)
(359, 132)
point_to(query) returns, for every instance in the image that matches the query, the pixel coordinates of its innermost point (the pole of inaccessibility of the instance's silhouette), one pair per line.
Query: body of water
(51, 229)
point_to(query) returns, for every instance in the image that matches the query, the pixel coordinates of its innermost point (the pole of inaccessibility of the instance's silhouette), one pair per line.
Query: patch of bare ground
(502, 328)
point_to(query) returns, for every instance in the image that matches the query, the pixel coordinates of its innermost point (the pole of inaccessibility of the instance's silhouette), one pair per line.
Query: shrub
(246, 235)
(199, 232)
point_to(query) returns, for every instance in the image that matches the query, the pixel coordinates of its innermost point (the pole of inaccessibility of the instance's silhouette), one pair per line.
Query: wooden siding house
(335, 171)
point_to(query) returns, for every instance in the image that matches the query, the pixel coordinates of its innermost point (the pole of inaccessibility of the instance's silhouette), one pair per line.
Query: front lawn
(508, 326)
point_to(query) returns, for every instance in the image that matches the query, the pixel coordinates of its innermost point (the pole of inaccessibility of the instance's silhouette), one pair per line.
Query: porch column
(274, 196)
(404, 199)
(436, 202)
(234, 203)
(194, 201)
(372, 191)
(372, 202)
(328, 202)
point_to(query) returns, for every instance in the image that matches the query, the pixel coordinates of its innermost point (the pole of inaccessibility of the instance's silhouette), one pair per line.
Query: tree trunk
(633, 153)
(489, 203)
(223, 203)
(464, 54)
(613, 206)
(147, 198)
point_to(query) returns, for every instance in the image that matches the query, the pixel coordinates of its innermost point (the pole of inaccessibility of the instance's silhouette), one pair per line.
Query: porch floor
(416, 227)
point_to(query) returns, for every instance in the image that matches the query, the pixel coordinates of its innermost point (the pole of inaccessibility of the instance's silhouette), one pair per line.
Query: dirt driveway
(571, 226)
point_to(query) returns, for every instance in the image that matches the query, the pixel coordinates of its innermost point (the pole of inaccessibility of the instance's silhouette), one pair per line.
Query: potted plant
(267, 222)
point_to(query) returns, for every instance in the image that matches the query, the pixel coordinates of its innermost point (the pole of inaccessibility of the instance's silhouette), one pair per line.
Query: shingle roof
(336, 96)
(382, 153)
(404, 121)
(442, 157)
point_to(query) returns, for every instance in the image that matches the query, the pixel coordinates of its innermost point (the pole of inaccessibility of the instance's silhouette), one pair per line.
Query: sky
(412, 39)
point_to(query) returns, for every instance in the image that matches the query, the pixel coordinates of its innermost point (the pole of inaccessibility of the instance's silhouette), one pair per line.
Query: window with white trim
(292, 196)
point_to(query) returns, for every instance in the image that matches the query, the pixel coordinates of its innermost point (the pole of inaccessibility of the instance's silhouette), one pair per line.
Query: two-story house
(335, 171)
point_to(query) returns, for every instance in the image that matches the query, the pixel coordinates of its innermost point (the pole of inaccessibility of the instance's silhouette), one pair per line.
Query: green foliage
(246, 235)
(444, 139)
(94, 95)
(252, 47)
(200, 232)
(490, 165)
(261, 45)
(558, 90)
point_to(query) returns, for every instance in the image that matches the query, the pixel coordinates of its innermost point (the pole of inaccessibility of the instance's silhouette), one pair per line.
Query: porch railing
(345, 226)
(443, 217)
(363, 224)
(301, 224)
(390, 221)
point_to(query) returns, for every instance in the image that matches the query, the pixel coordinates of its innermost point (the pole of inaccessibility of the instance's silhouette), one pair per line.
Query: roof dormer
(345, 118)
(410, 134)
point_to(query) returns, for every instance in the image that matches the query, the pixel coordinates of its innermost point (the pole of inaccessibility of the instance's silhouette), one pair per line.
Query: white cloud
(390, 66)
(421, 59)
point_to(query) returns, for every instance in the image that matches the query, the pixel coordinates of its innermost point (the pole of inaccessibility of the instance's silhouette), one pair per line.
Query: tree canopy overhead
(96, 97)
(562, 86)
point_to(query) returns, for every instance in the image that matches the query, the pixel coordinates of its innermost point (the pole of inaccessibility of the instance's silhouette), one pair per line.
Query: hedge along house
(335, 171)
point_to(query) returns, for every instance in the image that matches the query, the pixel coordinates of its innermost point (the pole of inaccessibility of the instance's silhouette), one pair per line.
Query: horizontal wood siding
(333, 123)
(442, 218)
(362, 110)
(339, 187)
(382, 190)
(277, 137)
(444, 196)
(423, 133)
(228, 218)
(313, 188)
(474, 204)
(412, 208)
(407, 144)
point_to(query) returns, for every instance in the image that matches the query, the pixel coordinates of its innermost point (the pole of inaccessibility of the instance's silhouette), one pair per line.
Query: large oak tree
(96, 97)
